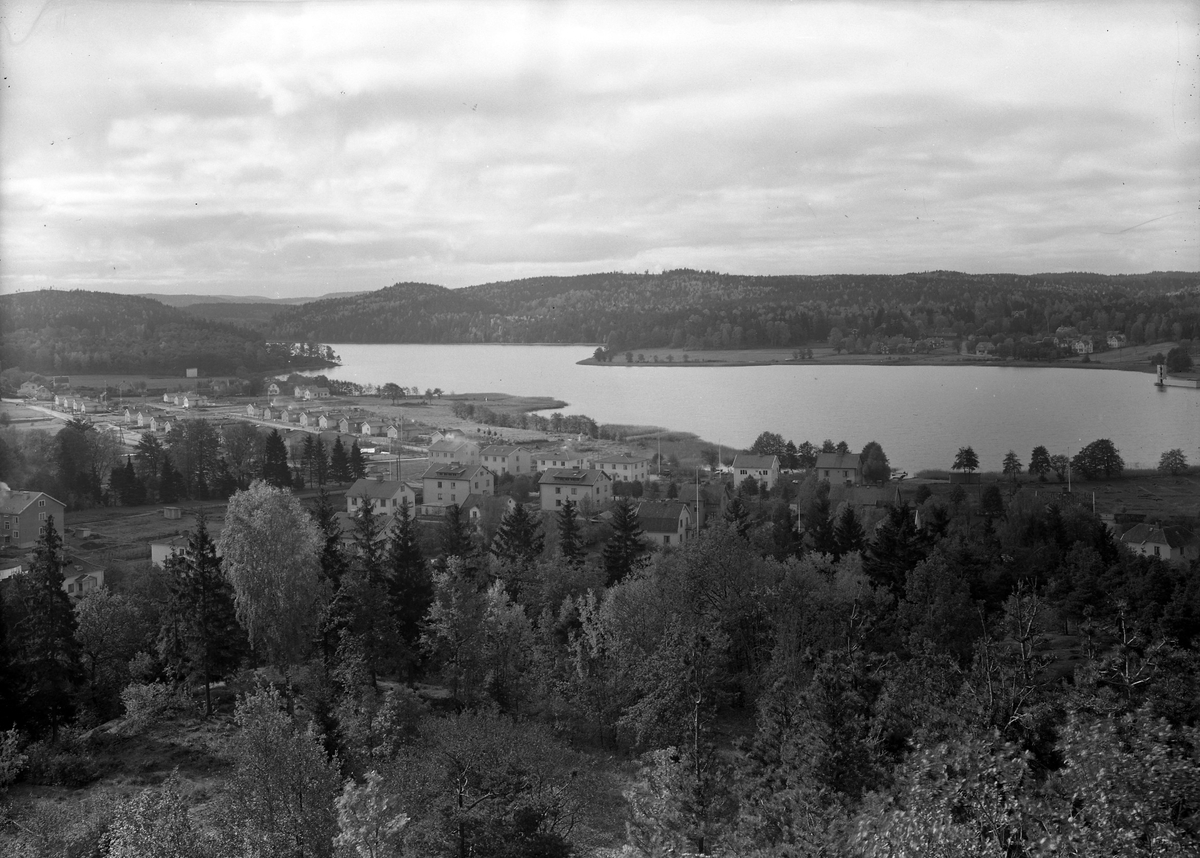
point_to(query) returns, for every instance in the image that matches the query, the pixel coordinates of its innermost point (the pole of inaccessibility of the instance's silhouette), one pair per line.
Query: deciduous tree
(270, 549)
(1173, 462)
(965, 460)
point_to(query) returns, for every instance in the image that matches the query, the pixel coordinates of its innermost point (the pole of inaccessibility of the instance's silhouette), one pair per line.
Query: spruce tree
(49, 654)
(896, 550)
(333, 561)
(819, 526)
(624, 548)
(339, 463)
(8, 677)
(519, 537)
(308, 460)
(320, 461)
(737, 514)
(275, 461)
(848, 533)
(456, 534)
(569, 542)
(410, 583)
(214, 642)
(358, 465)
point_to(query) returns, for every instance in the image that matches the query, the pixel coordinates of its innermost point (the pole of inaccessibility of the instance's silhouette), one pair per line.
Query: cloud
(304, 147)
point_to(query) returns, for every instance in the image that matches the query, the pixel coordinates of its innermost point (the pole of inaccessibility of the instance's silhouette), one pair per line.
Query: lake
(920, 414)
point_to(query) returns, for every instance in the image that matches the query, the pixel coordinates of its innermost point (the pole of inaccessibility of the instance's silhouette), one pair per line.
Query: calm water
(921, 415)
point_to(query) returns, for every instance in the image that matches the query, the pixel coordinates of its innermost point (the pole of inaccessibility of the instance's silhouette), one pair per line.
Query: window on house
(1156, 551)
(41, 516)
(666, 539)
(574, 491)
(41, 503)
(439, 485)
(558, 490)
(558, 503)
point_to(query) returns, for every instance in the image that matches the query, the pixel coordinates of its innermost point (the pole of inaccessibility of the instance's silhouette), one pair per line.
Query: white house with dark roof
(454, 450)
(841, 468)
(574, 484)
(764, 469)
(557, 459)
(665, 522)
(504, 459)
(385, 495)
(451, 482)
(1169, 544)
(623, 466)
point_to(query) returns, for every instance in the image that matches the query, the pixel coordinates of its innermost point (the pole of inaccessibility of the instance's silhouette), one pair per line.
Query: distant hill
(254, 315)
(705, 309)
(188, 300)
(56, 331)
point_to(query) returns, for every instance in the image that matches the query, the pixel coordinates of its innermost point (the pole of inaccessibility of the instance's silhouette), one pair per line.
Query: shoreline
(1131, 365)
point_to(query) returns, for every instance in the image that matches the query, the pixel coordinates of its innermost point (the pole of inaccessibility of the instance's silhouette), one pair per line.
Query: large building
(452, 482)
(504, 459)
(574, 484)
(624, 467)
(384, 495)
(23, 516)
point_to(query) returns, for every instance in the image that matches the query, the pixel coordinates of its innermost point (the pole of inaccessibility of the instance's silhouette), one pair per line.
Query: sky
(287, 149)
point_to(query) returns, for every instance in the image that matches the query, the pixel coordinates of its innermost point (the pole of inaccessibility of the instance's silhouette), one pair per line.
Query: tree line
(707, 310)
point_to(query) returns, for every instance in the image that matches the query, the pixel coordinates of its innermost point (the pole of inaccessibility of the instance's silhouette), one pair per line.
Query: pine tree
(358, 465)
(624, 548)
(339, 463)
(569, 543)
(411, 585)
(519, 537)
(214, 642)
(49, 654)
(369, 547)
(275, 461)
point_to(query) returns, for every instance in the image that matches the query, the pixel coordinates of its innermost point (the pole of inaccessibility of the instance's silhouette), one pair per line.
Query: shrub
(12, 761)
(52, 764)
(148, 703)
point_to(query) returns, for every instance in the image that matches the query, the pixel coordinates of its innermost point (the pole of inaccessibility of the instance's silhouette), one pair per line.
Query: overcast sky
(288, 149)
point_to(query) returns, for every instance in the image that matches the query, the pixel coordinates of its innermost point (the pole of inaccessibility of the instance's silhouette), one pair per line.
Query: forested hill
(702, 309)
(88, 332)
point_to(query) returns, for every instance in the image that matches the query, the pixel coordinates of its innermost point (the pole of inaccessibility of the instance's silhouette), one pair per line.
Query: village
(421, 453)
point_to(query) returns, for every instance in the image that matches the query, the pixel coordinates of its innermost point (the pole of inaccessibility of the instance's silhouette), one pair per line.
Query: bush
(148, 703)
(12, 761)
(53, 764)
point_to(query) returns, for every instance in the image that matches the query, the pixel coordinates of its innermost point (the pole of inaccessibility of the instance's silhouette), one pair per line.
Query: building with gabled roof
(506, 459)
(23, 516)
(574, 484)
(452, 482)
(764, 469)
(665, 522)
(1169, 543)
(566, 459)
(385, 495)
(841, 468)
(623, 466)
(454, 450)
